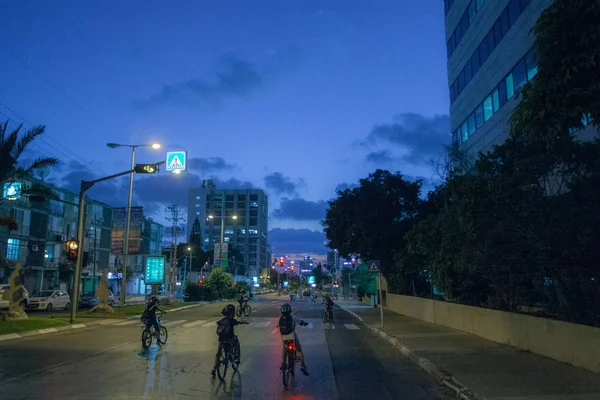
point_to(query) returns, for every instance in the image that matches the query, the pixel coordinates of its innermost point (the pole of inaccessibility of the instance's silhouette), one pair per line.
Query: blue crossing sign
(176, 161)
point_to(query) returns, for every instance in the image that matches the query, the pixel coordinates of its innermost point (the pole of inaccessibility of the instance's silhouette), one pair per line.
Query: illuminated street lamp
(155, 146)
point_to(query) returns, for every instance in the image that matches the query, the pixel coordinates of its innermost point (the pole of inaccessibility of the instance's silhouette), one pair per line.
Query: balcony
(55, 236)
(22, 230)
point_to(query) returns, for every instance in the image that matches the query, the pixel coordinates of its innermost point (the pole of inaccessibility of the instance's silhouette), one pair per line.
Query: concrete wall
(570, 343)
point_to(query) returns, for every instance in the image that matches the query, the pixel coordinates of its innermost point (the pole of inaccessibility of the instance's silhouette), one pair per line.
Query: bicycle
(327, 315)
(150, 331)
(245, 309)
(291, 358)
(231, 353)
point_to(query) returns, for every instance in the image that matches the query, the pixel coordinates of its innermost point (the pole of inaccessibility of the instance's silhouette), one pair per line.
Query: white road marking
(171, 323)
(262, 324)
(134, 321)
(351, 327)
(194, 323)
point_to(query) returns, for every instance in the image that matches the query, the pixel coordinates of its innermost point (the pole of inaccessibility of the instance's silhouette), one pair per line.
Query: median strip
(36, 326)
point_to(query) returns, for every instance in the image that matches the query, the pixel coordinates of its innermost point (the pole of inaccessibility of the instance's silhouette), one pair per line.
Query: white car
(49, 300)
(4, 303)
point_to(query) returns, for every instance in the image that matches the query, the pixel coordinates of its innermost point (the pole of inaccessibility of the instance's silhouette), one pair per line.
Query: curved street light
(155, 146)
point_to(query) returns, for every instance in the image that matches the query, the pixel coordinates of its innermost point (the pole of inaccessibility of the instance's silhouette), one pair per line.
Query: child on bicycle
(225, 331)
(149, 315)
(287, 328)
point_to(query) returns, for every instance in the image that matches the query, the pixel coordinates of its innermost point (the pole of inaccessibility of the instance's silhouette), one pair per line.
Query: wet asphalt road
(345, 360)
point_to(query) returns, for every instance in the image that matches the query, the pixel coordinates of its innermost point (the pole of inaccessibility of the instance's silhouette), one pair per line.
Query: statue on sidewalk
(15, 295)
(103, 294)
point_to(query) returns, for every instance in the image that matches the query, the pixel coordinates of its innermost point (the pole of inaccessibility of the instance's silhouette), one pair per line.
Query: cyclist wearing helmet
(243, 298)
(225, 331)
(287, 328)
(150, 313)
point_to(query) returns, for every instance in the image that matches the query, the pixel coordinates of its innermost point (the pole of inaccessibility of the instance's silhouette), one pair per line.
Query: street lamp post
(185, 271)
(222, 235)
(126, 238)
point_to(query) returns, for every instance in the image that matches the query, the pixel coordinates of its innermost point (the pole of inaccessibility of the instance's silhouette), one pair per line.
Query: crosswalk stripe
(171, 323)
(262, 324)
(135, 321)
(351, 327)
(195, 323)
(275, 330)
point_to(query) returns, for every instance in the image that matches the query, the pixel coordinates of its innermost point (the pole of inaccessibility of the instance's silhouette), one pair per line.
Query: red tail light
(291, 346)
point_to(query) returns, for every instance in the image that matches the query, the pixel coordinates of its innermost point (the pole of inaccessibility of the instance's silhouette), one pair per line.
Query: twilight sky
(293, 96)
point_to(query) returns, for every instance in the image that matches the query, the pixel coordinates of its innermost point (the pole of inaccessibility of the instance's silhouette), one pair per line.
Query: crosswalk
(255, 323)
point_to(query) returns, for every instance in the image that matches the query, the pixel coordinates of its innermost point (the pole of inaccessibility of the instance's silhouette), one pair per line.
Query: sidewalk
(475, 367)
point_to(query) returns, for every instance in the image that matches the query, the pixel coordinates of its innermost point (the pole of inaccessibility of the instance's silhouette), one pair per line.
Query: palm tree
(12, 146)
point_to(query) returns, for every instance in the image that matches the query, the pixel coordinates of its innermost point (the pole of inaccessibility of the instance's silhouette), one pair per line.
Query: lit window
(478, 116)
(197, 205)
(197, 212)
(197, 197)
(510, 87)
(12, 250)
(465, 131)
(488, 108)
(471, 124)
(496, 100)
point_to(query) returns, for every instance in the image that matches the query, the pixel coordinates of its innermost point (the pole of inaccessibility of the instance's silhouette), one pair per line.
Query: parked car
(49, 300)
(4, 303)
(91, 300)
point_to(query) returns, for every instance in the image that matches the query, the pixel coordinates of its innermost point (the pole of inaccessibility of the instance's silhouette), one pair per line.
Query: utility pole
(173, 215)
(92, 235)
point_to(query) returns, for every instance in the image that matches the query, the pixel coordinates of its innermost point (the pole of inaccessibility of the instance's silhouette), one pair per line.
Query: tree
(372, 220)
(220, 283)
(12, 146)
(319, 275)
(196, 234)
(567, 84)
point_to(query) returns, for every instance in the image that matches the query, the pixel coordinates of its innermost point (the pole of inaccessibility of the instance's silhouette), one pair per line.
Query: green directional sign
(155, 270)
(176, 161)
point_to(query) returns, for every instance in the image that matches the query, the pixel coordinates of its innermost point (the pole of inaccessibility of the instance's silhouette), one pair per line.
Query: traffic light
(281, 261)
(145, 168)
(292, 269)
(353, 263)
(72, 250)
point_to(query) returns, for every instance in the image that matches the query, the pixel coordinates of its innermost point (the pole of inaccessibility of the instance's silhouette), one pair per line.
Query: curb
(107, 321)
(461, 391)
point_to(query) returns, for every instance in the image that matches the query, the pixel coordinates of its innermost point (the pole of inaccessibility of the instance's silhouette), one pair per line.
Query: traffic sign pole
(380, 300)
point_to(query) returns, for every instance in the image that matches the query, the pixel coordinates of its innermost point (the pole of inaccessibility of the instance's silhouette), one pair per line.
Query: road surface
(346, 361)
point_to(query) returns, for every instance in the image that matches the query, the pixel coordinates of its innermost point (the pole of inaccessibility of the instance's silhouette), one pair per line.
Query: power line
(54, 147)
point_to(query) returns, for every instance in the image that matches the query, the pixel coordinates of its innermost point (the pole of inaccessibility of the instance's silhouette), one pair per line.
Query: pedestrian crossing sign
(176, 161)
(374, 265)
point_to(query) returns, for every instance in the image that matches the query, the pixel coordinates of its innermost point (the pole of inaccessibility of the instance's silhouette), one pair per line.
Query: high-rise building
(247, 232)
(490, 57)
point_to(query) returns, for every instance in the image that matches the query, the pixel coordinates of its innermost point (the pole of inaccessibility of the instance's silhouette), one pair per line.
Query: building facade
(43, 229)
(145, 239)
(490, 57)
(247, 232)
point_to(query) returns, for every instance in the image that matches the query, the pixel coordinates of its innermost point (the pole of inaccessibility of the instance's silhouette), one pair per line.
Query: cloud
(280, 184)
(235, 78)
(301, 210)
(379, 157)
(211, 164)
(423, 138)
(168, 188)
(113, 192)
(294, 241)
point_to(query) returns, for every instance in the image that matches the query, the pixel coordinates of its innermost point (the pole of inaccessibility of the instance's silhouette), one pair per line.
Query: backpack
(224, 328)
(145, 318)
(286, 324)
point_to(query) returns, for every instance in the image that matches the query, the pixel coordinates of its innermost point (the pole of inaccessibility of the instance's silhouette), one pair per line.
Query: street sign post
(155, 270)
(176, 161)
(375, 266)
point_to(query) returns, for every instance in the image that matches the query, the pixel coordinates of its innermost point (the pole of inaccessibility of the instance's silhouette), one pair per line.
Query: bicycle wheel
(325, 316)
(331, 316)
(223, 364)
(146, 338)
(236, 355)
(247, 310)
(239, 311)
(163, 335)
(285, 373)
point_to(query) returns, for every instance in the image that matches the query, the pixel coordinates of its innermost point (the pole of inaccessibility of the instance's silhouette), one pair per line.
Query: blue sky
(292, 96)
